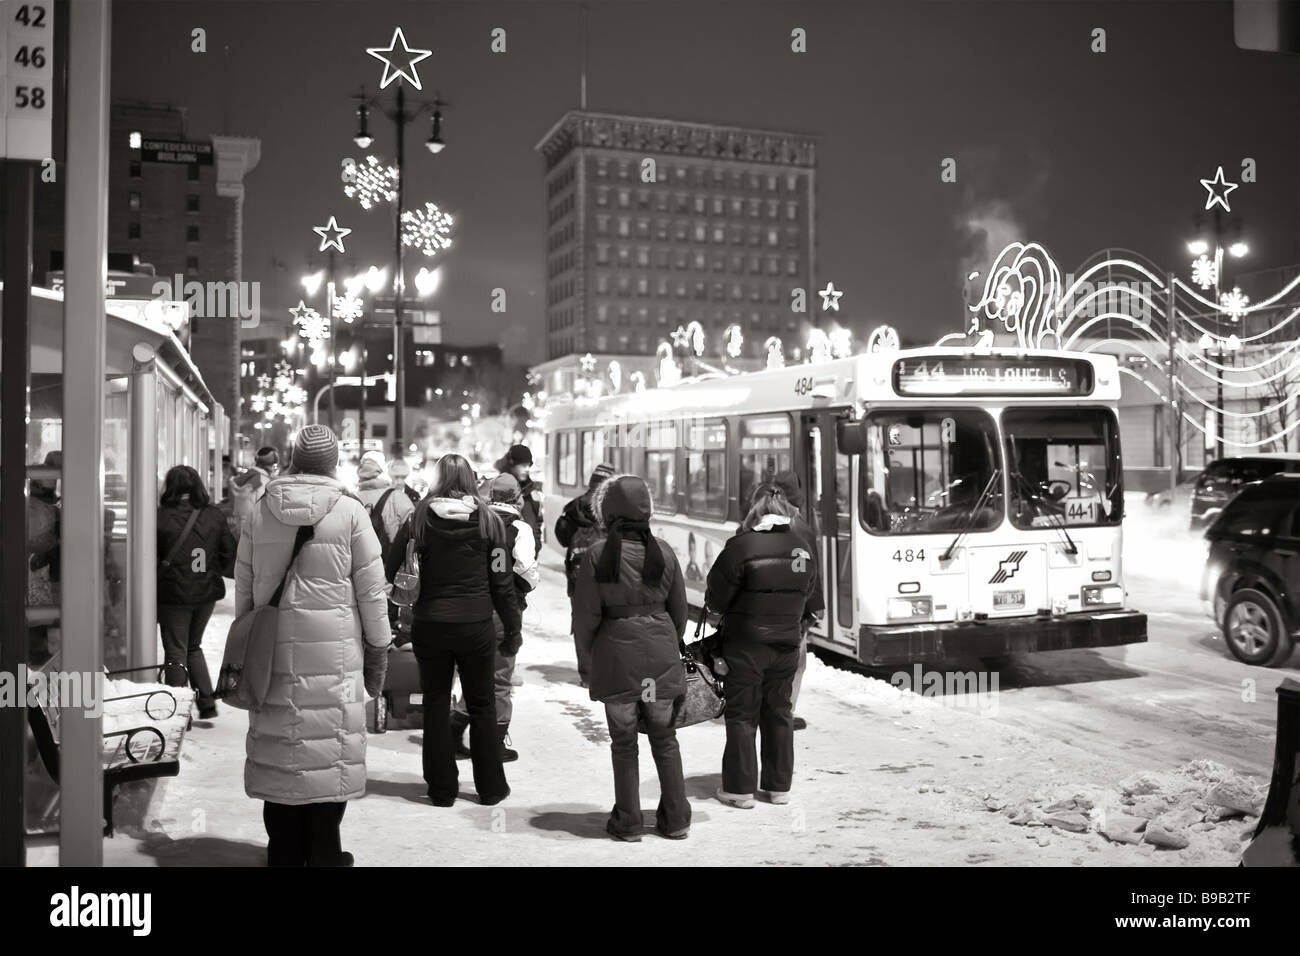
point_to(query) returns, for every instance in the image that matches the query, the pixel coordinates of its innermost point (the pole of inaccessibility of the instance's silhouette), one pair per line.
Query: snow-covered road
(882, 776)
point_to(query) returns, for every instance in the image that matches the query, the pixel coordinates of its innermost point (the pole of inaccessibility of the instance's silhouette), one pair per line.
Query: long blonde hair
(770, 501)
(454, 478)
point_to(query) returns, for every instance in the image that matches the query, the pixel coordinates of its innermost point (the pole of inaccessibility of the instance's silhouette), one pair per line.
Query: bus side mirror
(850, 438)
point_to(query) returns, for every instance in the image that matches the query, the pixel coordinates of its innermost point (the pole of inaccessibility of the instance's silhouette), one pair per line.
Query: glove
(375, 669)
(510, 644)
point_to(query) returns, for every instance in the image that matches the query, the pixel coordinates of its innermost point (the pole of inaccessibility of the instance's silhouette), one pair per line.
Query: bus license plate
(417, 700)
(1008, 599)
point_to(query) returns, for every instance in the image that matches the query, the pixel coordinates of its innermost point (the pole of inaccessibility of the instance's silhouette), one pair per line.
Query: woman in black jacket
(195, 551)
(762, 584)
(629, 610)
(465, 574)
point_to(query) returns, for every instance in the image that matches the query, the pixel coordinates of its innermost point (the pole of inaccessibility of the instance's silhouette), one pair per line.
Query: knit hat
(625, 497)
(316, 452)
(503, 489)
(518, 455)
(369, 468)
(600, 473)
(266, 457)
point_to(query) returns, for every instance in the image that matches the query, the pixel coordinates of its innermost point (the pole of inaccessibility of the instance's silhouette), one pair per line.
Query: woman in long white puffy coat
(306, 745)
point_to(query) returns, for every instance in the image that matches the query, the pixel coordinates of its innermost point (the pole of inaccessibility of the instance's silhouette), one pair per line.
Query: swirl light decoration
(819, 346)
(775, 352)
(1021, 292)
(637, 379)
(670, 372)
(427, 229)
(883, 338)
(734, 338)
(841, 340)
(615, 376)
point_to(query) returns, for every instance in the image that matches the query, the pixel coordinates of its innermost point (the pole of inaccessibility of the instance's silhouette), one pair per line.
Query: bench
(136, 748)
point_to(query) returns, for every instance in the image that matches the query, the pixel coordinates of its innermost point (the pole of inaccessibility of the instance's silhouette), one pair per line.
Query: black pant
(470, 648)
(303, 835)
(759, 680)
(182, 636)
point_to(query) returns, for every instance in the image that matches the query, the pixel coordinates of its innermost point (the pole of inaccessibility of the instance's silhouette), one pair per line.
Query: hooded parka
(307, 743)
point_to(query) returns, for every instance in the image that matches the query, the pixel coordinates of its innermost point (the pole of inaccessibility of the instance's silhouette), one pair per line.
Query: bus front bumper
(884, 646)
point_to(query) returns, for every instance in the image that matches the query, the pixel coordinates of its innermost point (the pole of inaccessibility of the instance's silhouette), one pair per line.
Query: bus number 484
(910, 555)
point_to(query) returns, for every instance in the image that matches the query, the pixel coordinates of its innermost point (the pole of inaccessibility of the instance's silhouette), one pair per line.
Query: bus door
(826, 475)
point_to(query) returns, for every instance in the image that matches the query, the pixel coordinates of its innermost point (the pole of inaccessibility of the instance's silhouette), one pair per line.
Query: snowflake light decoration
(295, 395)
(1234, 303)
(257, 403)
(1205, 272)
(427, 229)
(283, 383)
(348, 308)
(315, 328)
(375, 183)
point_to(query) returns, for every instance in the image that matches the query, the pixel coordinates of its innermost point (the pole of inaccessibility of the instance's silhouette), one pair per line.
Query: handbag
(166, 562)
(705, 698)
(245, 676)
(406, 582)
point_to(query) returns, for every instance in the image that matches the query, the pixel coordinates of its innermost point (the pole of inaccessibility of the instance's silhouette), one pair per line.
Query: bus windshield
(1064, 467)
(931, 472)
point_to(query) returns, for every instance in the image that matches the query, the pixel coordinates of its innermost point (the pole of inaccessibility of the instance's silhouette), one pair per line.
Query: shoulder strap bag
(705, 699)
(406, 582)
(245, 676)
(180, 539)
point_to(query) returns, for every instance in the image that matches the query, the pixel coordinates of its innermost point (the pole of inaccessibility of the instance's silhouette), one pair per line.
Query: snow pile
(1202, 807)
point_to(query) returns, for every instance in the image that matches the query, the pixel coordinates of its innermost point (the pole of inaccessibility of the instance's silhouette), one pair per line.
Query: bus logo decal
(1007, 569)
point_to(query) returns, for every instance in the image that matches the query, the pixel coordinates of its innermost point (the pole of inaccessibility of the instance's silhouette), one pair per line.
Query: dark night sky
(1054, 143)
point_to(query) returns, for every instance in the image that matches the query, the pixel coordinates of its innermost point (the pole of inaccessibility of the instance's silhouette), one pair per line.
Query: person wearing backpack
(387, 505)
(576, 530)
(195, 551)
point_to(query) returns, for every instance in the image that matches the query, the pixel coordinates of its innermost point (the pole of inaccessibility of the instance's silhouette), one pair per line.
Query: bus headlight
(910, 609)
(1100, 596)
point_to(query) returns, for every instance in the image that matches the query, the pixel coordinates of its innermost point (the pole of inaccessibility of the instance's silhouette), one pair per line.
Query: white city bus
(967, 502)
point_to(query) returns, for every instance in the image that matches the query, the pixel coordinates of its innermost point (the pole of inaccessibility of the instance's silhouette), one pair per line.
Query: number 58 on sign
(26, 75)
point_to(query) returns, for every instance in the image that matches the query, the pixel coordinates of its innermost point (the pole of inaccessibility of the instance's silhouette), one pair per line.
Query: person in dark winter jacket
(193, 557)
(465, 575)
(516, 462)
(629, 613)
(502, 493)
(787, 482)
(576, 530)
(762, 584)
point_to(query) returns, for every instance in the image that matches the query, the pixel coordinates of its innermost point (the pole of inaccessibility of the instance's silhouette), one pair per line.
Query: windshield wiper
(970, 518)
(1037, 501)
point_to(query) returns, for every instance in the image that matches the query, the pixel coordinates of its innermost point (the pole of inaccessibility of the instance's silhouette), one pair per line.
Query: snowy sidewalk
(881, 777)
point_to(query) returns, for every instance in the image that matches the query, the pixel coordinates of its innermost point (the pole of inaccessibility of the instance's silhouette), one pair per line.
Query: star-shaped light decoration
(375, 183)
(301, 313)
(588, 363)
(830, 297)
(264, 381)
(428, 229)
(1205, 272)
(349, 308)
(681, 337)
(398, 66)
(331, 234)
(1234, 303)
(1218, 188)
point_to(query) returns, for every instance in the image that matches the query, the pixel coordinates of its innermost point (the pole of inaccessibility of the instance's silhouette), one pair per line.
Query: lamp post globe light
(401, 114)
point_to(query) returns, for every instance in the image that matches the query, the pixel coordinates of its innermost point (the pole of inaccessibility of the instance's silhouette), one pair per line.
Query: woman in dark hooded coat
(629, 610)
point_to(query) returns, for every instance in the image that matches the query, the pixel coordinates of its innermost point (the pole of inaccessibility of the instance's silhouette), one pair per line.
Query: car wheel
(1253, 629)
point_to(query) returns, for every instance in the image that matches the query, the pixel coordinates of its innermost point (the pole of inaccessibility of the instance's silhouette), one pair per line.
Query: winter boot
(503, 734)
(459, 724)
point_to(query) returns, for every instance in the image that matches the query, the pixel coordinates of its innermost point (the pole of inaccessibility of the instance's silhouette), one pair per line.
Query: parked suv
(1223, 478)
(1252, 571)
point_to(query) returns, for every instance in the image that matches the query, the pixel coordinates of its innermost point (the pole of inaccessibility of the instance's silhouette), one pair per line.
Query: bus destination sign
(987, 375)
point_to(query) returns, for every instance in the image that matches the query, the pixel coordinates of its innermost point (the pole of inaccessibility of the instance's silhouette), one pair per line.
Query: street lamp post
(1219, 349)
(400, 117)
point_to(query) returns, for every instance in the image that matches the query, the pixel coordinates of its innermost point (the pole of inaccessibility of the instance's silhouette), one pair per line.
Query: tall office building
(653, 224)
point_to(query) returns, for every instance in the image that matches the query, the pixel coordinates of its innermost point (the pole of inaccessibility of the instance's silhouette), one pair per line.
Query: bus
(967, 502)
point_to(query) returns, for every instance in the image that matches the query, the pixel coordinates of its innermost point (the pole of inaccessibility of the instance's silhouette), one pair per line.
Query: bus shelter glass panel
(1064, 466)
(117, 457)
(931, 471)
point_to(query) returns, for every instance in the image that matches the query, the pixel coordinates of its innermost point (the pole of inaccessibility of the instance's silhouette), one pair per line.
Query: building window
(737, 207)
(193, 173)
(643, 199)
(602, 254)
(661, 286)
(624, 256)
(699, 232)
(624, 198)
(135, 169)
(602, 196)
(602, 168)
(624, 226)
(191, 203)
(719, 234)
(699, 261)
(602, 282)
(643, 286)
(717, 205)
(602, 313)
(792, 211)
(643, 256)
(773, 237)
(773, 208)
(191, 233)
(133, 230)
(792, 267)
(191, 264)
(643, 228)
(133, 201)
(699, 205)
(661, 230)
(602, 225)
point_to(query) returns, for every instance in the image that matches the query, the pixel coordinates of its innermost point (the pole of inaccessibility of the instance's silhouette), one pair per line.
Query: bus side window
(764, 453)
